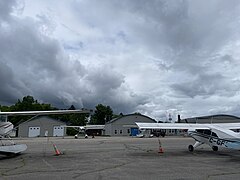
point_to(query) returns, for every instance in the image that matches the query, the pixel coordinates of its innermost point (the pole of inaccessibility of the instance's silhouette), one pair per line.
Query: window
(200, 130)
(214, 134)
(204, 131)
(115, 131)
(120, 131)
(208, 132)
(128, 131)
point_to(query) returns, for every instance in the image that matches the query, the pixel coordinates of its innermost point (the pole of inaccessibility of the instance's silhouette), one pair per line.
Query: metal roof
(120, 117)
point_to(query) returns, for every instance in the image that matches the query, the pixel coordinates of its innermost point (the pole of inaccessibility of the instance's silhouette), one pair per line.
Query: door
(33, 131)
(134, 131)
(58, 131)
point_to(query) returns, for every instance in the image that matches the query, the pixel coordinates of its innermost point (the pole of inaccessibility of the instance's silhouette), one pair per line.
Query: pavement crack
(22, 164)
(100, 170)
(222, 174)
(135, 148)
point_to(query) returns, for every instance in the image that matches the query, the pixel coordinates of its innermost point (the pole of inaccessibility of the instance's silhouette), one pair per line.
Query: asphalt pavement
(116, 158)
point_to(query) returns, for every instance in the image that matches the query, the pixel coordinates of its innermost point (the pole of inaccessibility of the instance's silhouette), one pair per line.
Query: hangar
(219, 118)
(125, 125)
(40, 126)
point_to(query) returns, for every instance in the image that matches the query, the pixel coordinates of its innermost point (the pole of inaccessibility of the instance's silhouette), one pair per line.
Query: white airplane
(82, 129)
(6, 128)
(214, 135)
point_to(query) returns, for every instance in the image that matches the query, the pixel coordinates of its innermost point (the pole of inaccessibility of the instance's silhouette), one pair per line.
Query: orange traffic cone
(57, 152)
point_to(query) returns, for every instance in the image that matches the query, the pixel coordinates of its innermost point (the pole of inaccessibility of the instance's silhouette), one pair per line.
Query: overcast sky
(150, 56)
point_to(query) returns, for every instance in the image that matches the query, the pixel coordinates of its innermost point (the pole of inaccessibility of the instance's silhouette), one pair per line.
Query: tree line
(101, 114)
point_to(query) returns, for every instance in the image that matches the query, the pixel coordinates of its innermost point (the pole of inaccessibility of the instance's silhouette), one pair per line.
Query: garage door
(33, 131)
(58, 131)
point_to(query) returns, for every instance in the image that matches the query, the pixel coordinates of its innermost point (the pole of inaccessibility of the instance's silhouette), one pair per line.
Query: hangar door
(58, 131)
(33, 131)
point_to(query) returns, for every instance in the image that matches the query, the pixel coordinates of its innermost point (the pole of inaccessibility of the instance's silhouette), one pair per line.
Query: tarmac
(118, 158)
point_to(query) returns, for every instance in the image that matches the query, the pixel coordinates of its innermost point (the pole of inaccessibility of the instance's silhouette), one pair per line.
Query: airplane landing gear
(215, 148)
(190, 148)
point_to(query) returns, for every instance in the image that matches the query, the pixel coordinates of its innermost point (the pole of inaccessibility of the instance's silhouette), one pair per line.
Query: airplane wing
(228, 125)
(44, 112)
(76, 127)
(87, 127)
(171, 126)
(187, 126)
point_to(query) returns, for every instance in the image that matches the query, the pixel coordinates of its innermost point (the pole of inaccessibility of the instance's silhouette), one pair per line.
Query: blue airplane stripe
(208, 136)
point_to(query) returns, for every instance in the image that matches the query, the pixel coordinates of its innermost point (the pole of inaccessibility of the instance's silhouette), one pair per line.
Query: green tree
(28, 103)
(101, 115)
(74, 119)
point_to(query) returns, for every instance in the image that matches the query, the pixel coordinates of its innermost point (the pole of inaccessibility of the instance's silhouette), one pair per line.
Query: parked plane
(6, 128)
(83, 129)
(214, 135)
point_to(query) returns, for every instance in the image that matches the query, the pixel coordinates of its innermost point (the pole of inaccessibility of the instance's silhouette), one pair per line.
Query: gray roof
(115, 119)
(36, 117)
(217, 117)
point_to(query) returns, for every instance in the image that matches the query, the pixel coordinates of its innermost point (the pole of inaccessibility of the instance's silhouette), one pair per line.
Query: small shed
(126, 125)
(40, 126)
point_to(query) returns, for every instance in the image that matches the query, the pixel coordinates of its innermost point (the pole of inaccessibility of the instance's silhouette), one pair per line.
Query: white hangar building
(40, 126)
(125, 125)
(218, 118)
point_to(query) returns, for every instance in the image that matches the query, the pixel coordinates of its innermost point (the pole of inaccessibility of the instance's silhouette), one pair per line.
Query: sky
(155, 57)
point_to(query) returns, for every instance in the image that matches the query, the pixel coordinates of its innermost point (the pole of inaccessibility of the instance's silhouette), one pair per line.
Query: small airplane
(83, 129)
(6, 128)
(215, 135)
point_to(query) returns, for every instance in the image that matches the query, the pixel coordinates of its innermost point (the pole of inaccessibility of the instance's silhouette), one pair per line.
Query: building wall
(123, 126)
(45, 123)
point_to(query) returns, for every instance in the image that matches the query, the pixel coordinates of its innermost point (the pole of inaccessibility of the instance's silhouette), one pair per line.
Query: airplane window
(235, 130)
(214, 134)
(200, 130)
(3, 118)
(208, 132)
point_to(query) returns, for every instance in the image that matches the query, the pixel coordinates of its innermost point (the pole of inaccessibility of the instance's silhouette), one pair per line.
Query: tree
(72, 107)
(101, 115)
(28, 103)
(73, 119)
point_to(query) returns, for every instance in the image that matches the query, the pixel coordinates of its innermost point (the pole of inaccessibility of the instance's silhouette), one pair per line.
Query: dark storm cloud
(9, 87)
(35, 64)
(132, 55)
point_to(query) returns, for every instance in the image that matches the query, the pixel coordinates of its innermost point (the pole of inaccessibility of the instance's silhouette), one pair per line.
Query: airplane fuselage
(212, 138)
(5, 128)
